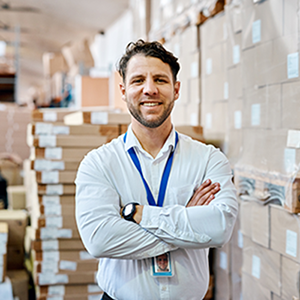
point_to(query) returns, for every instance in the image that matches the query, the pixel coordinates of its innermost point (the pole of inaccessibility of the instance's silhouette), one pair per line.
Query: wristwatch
(129, 210)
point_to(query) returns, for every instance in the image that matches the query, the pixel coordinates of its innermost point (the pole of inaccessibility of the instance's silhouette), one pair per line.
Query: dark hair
(153, 49)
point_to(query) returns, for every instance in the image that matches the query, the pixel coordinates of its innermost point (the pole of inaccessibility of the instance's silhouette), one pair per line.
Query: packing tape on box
(47, 141)
(55, 233)
(51, 278)
(43, 128)
(52, 209)
(54, 222)
(51, 255)
(50, 116)
(61, 130)
(84, 255)
(49, 267)
(50, 176)
(50, 245)
(48, 165)
(99, 117)
(93, 288)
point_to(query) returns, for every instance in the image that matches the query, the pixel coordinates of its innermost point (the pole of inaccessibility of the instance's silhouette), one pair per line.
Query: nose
(150, 87)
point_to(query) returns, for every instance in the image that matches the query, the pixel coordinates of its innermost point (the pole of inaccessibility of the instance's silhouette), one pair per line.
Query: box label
(53, 153)
(67, 265)
(208, 66)
(293, 65)
(50, 200)
(3, 238)
(84, 255)
(99, 117)
(50, 245)
(255, 114)
(194, 119)
(240, 239)
(52, 209)
(237, 119)
(65, 233)
(49, 267)
(291, 243)
(223, 260)
(256, 266)
(289, 160)
(236, 54)
(47, 141)
(293, 140)
(51, 255)
(256, 31)
(43, 128)
(56, 290)
(54, 222)
(48, 233)
(63, 130)
(93, 297)
(50, 177)
(50, 116)
(56, 189)
(93, 288)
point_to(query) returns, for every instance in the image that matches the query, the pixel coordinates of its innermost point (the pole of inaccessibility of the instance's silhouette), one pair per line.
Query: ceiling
(48, 25)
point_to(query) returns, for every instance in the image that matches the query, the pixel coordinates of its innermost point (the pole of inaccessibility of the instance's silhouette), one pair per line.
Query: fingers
(205, 193)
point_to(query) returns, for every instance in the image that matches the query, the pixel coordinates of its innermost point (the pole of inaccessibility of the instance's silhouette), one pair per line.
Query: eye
(161, 80)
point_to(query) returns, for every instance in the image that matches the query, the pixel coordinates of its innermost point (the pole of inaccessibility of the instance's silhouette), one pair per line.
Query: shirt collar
(132, 141)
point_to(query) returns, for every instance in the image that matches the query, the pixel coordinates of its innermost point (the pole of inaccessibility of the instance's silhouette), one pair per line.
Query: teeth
(150, 104)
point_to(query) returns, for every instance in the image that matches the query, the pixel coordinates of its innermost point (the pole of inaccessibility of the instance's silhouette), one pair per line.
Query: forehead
(141, 64)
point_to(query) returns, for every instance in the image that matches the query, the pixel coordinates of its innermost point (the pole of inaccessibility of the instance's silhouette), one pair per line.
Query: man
(162, 263)
(153, 191)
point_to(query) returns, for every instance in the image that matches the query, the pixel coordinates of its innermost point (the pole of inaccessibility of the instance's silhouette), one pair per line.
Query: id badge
(162, 265)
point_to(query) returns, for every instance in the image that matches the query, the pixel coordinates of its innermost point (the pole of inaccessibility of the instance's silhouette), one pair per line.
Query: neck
(152, 139)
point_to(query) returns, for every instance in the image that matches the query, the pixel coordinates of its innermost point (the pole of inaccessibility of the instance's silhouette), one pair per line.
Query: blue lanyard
(165, 176)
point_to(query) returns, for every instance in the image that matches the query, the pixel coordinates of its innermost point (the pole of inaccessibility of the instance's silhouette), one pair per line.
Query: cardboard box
(285, 231)
(20, 283)
(290, 278)
(263, 265)
(222, 284)
(59, 153)
(54, 177)
(69, 141)
(63, 244)
(55, 222)
(223, 258)
(3, 250)
(251, 289)
(17, 221)
(57, 255)
(69, 290)
(50, 278)
(56, 189)
(43, 128)
(75, 297)
(64, 210)
(66, 266)
(54, 165)
(57, 200)
(50, 114)
(15, 257)
(16, 197)
(47, 233)
(97, 117)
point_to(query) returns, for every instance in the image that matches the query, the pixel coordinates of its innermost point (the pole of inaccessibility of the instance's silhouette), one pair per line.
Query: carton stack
(61, 266)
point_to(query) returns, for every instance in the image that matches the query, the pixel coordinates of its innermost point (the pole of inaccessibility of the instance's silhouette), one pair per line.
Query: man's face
(149, 90)
(162, 262)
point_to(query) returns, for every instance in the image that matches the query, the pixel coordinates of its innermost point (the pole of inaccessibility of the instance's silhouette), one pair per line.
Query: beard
(137, 114)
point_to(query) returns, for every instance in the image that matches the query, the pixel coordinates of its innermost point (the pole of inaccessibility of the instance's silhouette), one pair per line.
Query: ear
(123, 91)
(176, 89)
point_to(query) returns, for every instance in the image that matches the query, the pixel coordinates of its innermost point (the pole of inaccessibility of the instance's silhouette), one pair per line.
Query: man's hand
(204, 194)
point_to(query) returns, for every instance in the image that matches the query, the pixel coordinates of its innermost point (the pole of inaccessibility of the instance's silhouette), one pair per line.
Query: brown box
(55, 255)
(57, 200)
(68, 290)
(47, 233)
(263, 265)
(75, 297)
(17, 221)
(20, 283)
(64, 244)
(16, 197)
(97, 117)
(222, 284)
(223, 257)
(66, 266)
(290, 278)
(58, 278)
(65, 210)
(52, 165)
(56, 189)
(69, 141)
(56, 222)
(285, 231)
(59, 153)
(50, 114)
(251, 289)
(54, 177)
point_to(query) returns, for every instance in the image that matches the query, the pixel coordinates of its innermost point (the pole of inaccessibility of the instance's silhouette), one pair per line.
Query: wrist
(138, 214)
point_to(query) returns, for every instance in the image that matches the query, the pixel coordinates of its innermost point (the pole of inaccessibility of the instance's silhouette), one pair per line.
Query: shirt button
(164, 288)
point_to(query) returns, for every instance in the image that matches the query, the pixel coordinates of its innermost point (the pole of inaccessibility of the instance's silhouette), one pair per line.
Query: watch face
(128, 209)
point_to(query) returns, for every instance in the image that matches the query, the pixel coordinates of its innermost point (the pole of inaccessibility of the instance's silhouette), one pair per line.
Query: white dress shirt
(107, 179)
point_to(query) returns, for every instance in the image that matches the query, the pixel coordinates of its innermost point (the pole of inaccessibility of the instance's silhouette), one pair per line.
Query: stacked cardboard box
(60, 264)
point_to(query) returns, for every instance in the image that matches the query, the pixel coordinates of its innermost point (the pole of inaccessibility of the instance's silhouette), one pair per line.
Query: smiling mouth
(150, 104)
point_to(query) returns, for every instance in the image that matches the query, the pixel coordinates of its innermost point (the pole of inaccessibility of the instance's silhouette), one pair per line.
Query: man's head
(162, 262)
(152, 49)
